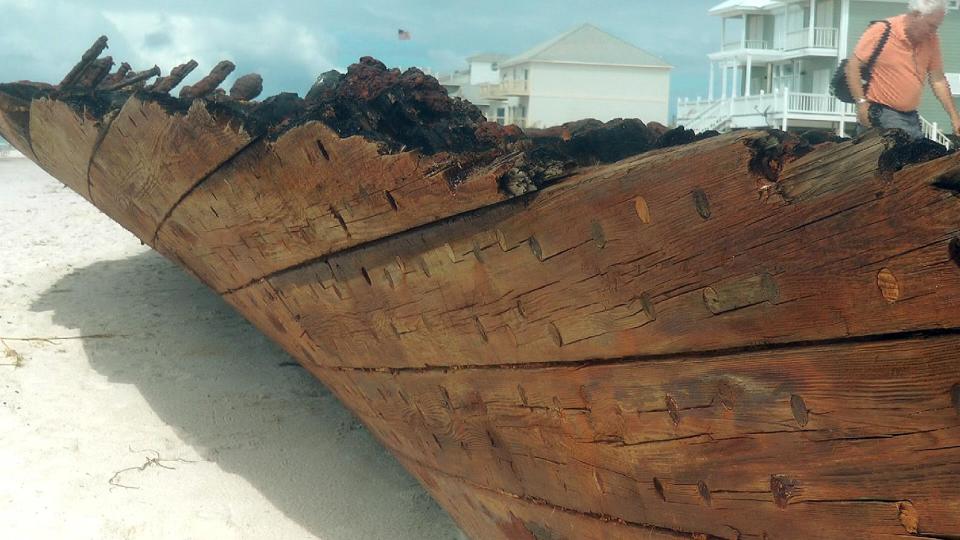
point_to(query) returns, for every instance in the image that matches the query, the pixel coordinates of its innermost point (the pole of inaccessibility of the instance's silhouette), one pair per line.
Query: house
(583, 73)
(776, 59)
(481, 70)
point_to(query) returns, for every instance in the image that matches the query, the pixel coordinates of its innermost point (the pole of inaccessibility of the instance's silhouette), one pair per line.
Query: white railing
(799, 102)
(748, 44)
(699, 115)
(932, 132)
(823, 38)
(505, 88)
(826, 38)
(776, 110)
(757, 44)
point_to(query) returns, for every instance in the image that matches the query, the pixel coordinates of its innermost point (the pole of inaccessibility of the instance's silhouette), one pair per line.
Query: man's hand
(941, 89)
(863, 114)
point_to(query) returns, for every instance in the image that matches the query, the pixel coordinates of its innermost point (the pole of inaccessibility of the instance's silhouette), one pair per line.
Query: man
(910, 55)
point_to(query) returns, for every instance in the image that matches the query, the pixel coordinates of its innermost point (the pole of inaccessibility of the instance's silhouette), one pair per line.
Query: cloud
(169, 39)
(293, 41)
(156, 40)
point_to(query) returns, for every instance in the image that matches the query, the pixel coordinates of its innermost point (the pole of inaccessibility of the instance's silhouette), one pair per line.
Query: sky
(291, 42)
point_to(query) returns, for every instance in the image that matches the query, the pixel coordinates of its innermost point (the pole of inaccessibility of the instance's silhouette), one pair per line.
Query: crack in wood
(203, 179)
(927, 333)
(101, 135)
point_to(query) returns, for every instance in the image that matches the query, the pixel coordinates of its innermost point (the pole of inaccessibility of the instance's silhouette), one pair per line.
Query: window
(501, 115)
(954, 80)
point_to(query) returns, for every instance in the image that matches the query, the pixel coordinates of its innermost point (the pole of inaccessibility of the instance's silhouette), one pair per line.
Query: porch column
(769, 78)
(710, 88)
(786, 108)
(735, 91)
(841, 54)
(844, 30)
(746, 76)
(723, 80)
(813, 18)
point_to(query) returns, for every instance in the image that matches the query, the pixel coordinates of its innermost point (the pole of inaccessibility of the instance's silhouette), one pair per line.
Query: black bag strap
(868, 68)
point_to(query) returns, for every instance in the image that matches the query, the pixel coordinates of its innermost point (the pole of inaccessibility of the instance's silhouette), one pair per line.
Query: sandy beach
(135, 404)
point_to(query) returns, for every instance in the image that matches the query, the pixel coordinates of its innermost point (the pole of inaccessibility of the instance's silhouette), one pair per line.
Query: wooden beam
(836, 439)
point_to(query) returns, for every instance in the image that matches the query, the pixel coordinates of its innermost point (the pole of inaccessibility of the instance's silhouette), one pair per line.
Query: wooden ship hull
(746, 336)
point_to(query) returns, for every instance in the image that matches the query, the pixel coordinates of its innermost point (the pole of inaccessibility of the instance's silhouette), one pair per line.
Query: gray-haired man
(910, 55)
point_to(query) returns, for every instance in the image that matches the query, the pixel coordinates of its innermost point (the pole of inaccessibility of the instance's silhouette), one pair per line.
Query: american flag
(403, 35)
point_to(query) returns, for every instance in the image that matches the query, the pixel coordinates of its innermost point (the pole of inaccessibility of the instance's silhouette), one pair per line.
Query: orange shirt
(902, 68)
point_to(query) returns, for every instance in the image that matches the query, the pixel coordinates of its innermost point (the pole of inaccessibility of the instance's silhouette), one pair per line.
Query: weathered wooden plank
(487, 514)
(151, 157)
(308, 194)
(15, 123)
(63, 141)
(264, 307)
(732, 339)
(576, 273)
(809, 442)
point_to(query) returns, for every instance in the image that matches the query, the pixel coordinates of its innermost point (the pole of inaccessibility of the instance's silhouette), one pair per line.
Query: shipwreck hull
(742, 337)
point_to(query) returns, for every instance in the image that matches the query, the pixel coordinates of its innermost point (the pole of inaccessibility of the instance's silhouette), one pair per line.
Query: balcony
(505, 89)
(748, 44)
(820, 38)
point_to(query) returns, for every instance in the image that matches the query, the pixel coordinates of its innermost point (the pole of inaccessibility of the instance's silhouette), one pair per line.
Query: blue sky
(291, 42)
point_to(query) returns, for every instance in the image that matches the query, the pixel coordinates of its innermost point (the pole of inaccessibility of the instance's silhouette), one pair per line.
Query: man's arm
(854, 66)
(941, 89)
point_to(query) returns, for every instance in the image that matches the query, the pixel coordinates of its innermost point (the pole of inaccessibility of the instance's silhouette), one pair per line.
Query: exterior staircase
(779, 109)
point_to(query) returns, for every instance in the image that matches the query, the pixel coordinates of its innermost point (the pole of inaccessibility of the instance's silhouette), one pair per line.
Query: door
(824, 15)
(821, 81)
(755, 32)
(779, 29)
(826, 33)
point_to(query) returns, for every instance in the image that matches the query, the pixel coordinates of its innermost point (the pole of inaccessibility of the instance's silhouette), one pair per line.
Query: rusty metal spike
(209, 84)
(177, 74)
(88, 57)
(95, 73)
(117, 76)
(135, 79)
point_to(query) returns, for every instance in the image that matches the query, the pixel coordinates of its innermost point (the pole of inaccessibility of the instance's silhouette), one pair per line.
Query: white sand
(246, 444)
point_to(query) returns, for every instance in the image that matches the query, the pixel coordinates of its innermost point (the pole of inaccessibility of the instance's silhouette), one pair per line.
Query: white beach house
(583, 73)
(776, 59)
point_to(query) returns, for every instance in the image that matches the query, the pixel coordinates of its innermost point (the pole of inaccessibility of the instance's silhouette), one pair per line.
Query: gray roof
(742, 6)
(487, 57)
(587, 44)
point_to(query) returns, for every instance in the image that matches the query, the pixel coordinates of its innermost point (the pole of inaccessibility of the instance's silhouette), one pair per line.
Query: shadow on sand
(240, 401)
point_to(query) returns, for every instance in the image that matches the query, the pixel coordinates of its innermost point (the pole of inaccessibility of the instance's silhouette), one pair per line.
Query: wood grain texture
(488, 514)
(150, 158)
(672, 346)
(575, 273)
(809, 442)
(63, 141)
(15, 124)
(311, 193)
